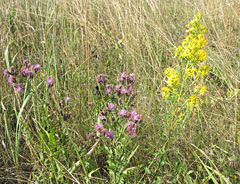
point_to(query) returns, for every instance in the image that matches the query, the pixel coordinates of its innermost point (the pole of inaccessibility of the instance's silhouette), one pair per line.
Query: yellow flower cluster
(201, 90)
(191, 71)
(192, 56)
(172, 77)
(192, 46)
(204, 70)
(172, 82)
(192, 101)
(166, 92)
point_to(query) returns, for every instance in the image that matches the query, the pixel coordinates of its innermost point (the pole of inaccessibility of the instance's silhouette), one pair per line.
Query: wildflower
(18, 88)
(100, 128)
(5, 72)
(203, 90)
(102, 78)
(166, 92)
(193, 100)
(27, 73)
(26, 61)
(67, 99)
(110, 134)
(108, 91)
(131, 78)
(50, 81)
(111, 107)
(134, 116)
(191, 71)
(36, 67)
(130, 89)
(131, 129)
(90, 135)
(12, 79)
(122, 112)
(117, 89)
(123, 77)
(124, 91)
(204, 70)
(103, 118)
(172, 77)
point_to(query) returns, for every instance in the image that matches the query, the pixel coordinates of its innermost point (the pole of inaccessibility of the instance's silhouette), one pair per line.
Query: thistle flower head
(111, 107)
(36, 67)
(5, 72)
(102, 78)
(18, 88)
(12, 79)
(110, 135)
(50, 81)
(100, 128)
(122, 112)
(123, 77)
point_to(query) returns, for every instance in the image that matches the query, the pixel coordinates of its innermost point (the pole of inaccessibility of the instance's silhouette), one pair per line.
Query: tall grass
(44, 139)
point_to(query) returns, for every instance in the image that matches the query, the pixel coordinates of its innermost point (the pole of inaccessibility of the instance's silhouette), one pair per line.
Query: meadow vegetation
(120, 91)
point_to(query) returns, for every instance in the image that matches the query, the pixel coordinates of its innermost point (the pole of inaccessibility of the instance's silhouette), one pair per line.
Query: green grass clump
(171, 117)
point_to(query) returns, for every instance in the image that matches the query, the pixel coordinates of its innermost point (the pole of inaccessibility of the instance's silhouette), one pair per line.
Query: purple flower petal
(50, 81)
(122, 112)
(36, 67)
(123, 77)
(12, 79)
(111, 107)
(5, 72)
(67, 99)
(110, 134)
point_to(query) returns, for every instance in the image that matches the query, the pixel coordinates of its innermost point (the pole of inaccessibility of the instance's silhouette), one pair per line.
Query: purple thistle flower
(5, 72)
(36, 67)
(130, 88)
(110, 134)
(100, 128)
(133, 115)
(108, 91)
(111, 107)
(131, 78)
(50, 81)
(117, 89)
(67, 99)
(12, 79)
(102, 78)
(135, 118)
(102, 118)
(27, 73)
(18, 88)
(124, 91)
(122, 112)
(131, 129)
(109, 85)
(123, 76)
(26, 61)
(90, 135)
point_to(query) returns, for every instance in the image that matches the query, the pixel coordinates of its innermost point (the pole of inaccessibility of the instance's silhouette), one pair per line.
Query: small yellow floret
(166, 92)
(204, 70)
(193, 100)
(203, 90)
